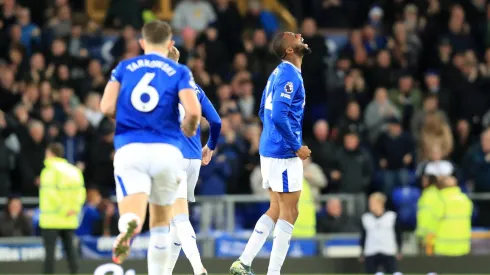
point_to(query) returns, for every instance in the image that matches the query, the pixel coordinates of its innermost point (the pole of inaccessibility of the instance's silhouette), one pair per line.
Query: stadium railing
(354, 205)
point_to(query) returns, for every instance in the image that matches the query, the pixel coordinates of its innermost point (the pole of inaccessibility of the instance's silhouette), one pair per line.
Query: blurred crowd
(403, 85)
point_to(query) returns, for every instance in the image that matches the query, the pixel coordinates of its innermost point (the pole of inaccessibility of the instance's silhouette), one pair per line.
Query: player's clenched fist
(304, 152)
(207, 154)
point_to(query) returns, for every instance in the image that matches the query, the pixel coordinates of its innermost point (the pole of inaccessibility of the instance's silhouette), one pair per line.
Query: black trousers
(373, 263)
(50, 236)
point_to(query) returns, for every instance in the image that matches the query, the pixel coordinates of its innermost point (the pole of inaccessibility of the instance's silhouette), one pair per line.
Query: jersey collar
(157, 53)
(296, 68)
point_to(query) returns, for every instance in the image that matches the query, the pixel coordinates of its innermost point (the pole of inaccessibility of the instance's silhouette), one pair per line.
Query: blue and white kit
(148, 135)
(192, 149)
(281, 112)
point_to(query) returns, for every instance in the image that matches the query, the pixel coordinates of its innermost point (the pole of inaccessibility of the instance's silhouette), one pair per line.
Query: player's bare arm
(192, 109)
(109, 99)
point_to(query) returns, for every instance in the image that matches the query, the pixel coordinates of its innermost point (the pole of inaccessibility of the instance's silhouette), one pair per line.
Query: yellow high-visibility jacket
(62, 192)
(305, 226)
(453, 226)
(426, 211)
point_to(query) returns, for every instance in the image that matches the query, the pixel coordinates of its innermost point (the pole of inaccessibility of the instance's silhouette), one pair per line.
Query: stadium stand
(422, 65)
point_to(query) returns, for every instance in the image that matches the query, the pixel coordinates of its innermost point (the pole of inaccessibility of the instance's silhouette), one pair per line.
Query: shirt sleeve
(262, 107)
(399, 234)
(286, 87)
(281, 102)
(117, 73)
(211, 115)
(362, 239)
(186, 80)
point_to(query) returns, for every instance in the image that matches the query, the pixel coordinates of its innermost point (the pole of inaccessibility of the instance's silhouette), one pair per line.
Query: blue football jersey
(191, 146)
(147, 109)
(281, 112)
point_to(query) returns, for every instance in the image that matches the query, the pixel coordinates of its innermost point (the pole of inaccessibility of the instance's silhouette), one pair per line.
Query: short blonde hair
(380, 197)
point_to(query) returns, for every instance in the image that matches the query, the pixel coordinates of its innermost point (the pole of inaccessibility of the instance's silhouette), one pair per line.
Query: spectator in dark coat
(352, 122)
(354, 89)
(101, 156)
(31, 158)
(322, 150)
(462, 141)
(13, 222)
(472, 96)
(9, 91)
(459, 32)
(74, 145)
(476, 166)
(229, 24)
(444, 95)
(476, 163)
(128, 33)
(332, 14)
(5, 158)
(395, 153)
(352, 168)
(383, 74)
(314, 65)
(122, 13)
(216, 51)
(335, 220)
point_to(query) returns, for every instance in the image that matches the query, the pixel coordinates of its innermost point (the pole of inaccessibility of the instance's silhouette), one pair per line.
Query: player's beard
(302, 50)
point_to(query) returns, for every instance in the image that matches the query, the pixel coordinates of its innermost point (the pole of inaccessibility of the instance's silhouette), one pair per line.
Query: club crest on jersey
(289, 87)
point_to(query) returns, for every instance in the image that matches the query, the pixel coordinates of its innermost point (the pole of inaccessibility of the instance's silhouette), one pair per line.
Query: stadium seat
(405, 201)
(403, 196)
(35, 222)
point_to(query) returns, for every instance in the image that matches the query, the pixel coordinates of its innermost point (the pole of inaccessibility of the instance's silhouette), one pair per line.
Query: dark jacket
(347, 125)
(394, 148)
(330, 224)
(323, 153)
(356, 170)
(19, 227)
(31, 161)
(477, 169)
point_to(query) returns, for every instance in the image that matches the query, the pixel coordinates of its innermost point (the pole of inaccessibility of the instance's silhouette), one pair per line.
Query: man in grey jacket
(377, 112)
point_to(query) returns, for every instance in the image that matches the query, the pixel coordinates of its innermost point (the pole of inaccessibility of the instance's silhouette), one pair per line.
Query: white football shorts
(150, 168)
(282, 175)
(190, 174)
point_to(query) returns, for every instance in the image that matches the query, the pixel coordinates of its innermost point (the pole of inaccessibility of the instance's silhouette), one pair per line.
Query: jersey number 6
(145, 97)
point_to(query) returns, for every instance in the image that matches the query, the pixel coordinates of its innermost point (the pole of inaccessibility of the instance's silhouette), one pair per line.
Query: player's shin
(158, 249)
(175, 247)
(187, 236)
(262, 229)
(280, 246)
